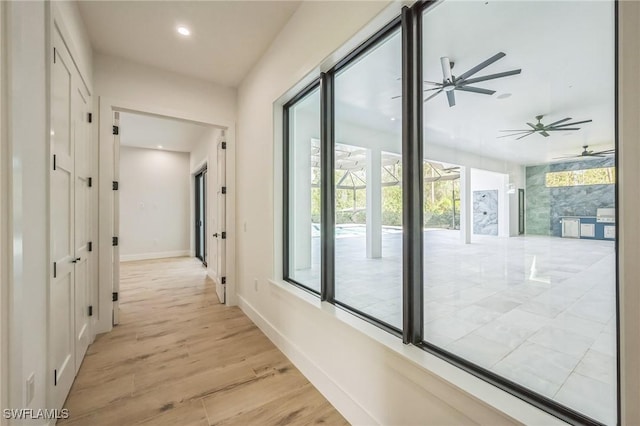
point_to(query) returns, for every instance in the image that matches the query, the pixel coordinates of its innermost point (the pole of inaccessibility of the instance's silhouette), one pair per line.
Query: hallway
(180, 357)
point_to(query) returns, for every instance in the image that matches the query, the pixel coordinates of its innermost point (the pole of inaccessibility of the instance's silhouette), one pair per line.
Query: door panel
(61, 293)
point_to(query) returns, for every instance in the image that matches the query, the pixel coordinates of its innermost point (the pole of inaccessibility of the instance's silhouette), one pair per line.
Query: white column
(466, 219)
(374, 203)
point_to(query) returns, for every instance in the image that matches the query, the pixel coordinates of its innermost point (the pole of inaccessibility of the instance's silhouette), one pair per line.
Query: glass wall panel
(368, 134)
(514, 91)
(304, 191)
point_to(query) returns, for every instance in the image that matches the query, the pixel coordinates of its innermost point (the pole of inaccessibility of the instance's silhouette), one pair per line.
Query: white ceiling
(148, 131)
(564, 48)
(227, 37)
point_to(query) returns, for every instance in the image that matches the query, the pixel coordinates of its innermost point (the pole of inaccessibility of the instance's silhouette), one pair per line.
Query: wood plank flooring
(179, 357)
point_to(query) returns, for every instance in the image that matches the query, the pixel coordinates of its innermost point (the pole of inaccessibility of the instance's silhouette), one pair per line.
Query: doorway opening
(200, 215)
(165, 203)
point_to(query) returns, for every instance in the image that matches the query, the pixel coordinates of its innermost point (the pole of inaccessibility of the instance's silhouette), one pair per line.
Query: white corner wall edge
(156, 255)
(339, 398)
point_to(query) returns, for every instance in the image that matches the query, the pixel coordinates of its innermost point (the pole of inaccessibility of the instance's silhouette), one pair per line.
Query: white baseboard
(157, 255)
(335, 394)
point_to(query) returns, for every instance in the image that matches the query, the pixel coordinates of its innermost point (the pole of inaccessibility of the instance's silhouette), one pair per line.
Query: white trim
(156, 255)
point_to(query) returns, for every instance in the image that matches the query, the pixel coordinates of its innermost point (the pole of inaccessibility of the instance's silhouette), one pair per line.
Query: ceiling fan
(450, 82)
(543, 129)
(588, 153)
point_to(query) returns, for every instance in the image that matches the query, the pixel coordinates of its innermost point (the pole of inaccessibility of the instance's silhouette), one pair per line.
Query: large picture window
(470, 194)
(536, 309)
(368, 271)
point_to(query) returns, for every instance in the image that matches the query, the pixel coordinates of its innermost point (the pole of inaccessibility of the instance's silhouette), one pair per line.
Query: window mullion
(412, 175)
(327, 188)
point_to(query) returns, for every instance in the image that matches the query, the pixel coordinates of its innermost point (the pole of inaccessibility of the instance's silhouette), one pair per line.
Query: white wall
(122, 85)
(27, 102)
(154, 203)
(122, 80)
(362, 370)
(28, 58)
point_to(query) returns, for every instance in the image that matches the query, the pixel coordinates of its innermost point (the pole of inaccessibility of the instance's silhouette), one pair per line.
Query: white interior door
(116, 219)
(220, 224)
(61, 291)
(82, 214)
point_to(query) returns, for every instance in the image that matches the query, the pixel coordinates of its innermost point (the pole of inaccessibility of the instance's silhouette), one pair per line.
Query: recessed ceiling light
(159, 146)
(393, 119)
(184, 31)
(504, 96)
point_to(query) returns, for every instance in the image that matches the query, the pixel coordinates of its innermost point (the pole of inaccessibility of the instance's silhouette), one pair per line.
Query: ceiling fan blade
(519, 130)
(605, 152)
(514, 134)
(572, 124)
(396, 97)
(432, 82)
(434, 88)
(525, 136)
(491, 76)
(532, 126)
(446, 68)
(451, 98)
(567, 156)
(554, 129)
(545, 134)
(481, 65)
(434, 95)
(558, 122)
(593, 154)
(476, 90)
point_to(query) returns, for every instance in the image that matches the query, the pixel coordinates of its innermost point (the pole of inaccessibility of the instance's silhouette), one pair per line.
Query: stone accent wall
(545, 206)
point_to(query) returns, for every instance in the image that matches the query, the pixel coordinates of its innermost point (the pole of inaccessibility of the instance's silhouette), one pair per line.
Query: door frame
(105, 109)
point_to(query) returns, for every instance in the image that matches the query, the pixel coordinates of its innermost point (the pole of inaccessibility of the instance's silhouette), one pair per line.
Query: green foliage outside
(598, 176)
(438, 203)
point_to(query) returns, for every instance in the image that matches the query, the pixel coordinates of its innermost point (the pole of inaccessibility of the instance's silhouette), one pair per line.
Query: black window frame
(410, 22)
(286, 122)
(363, 49)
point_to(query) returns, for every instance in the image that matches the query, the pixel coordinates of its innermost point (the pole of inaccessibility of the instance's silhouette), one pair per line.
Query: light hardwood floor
(179, 357)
